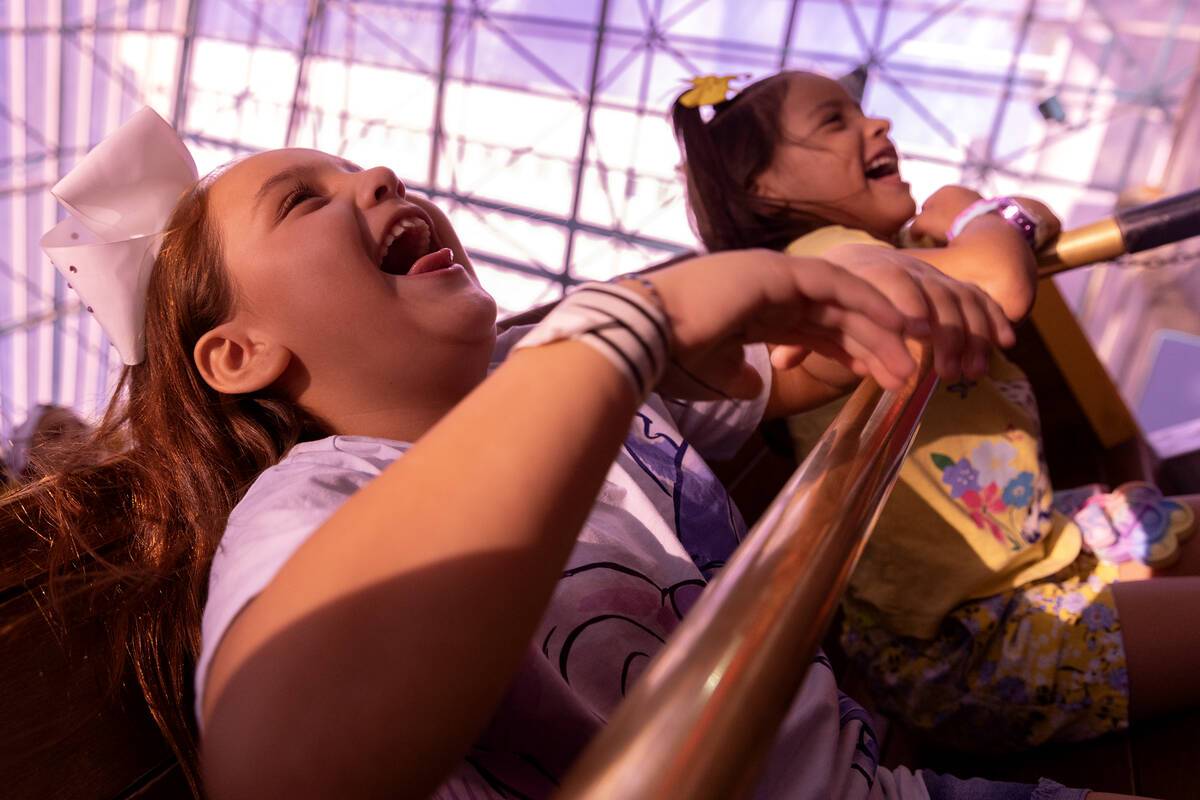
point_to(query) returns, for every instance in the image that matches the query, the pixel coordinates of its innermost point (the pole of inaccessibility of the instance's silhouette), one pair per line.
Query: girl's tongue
(438, 259)
(408, 243)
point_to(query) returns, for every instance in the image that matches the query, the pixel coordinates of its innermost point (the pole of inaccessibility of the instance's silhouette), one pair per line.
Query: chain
(1137, 261)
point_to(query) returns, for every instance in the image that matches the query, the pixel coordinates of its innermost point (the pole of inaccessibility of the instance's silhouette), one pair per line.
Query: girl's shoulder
(318, 474)
(280, 510)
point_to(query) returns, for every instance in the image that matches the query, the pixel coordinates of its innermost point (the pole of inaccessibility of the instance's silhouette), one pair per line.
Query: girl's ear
(769, 185)
(233, 361)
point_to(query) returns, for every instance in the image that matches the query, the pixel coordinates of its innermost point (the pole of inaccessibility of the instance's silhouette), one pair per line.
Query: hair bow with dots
(120, 197)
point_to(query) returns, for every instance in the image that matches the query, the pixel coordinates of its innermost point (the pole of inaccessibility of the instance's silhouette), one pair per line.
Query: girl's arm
(964, 324)
(989, 253)
(379, 651)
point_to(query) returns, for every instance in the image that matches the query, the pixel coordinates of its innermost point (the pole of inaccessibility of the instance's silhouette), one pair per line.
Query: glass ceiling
(539, 125)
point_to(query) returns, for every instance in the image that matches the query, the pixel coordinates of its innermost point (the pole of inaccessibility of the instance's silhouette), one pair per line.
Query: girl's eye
(834, 119)
(294, 198)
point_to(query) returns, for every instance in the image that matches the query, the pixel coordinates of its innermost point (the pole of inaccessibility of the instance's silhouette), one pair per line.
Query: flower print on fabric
(1041, 663)
(1019, 491)
(959, 475)
(982, 505)
(993, 458)
(997, 497)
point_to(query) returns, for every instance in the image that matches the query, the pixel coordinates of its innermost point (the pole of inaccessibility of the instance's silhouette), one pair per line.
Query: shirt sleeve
(717, 428)
(814, 244)
(283, 508)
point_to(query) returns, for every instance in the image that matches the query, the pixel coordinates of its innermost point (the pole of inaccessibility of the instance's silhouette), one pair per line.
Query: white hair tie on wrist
(618, 323)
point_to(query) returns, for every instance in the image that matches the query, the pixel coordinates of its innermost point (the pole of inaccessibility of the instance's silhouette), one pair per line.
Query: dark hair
(132, 520)
(722, 159)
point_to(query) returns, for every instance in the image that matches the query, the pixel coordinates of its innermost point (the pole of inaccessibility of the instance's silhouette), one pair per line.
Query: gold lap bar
(1078, 247)
(704, 714)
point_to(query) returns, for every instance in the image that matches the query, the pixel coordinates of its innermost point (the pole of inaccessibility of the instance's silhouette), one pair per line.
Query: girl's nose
(878, 126)
(378, 184)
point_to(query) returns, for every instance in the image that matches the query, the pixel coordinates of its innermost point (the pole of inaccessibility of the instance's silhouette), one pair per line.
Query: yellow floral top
(971, 513)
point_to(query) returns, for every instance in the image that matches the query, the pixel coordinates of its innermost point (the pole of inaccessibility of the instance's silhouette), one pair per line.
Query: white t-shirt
(662, 523)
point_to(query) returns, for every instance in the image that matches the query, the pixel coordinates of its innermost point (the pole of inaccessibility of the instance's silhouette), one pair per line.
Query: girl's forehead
(262, 166)
(808, 88)
(236, 190)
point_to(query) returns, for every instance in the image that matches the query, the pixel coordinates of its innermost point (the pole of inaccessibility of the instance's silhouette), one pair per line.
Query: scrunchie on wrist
(618, 323)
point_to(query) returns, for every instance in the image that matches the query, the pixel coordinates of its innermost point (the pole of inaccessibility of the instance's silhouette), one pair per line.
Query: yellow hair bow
(707, 90)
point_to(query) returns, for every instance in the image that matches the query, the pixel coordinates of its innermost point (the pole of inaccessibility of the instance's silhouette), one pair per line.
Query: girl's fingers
(949, 336)
(978, 329)
(838, 339)
(888, 374)
(882, 352)
(833, 284)
(881, 347)
(845, 306)
(857, 295)
(821, 341)
(787, 356)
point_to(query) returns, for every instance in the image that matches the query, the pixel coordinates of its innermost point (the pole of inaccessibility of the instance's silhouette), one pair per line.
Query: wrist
(626, 325)
(1017, 215)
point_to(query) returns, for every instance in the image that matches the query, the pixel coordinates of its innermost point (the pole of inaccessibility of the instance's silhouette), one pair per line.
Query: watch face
(1022, 219)
(1010, 209)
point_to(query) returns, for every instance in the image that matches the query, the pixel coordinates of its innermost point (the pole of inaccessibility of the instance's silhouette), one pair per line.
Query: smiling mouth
(882, 167)
(408, 242)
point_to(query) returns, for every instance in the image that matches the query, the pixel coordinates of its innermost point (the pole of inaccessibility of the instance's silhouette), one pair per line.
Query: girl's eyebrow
(833, 102)
(824, 104)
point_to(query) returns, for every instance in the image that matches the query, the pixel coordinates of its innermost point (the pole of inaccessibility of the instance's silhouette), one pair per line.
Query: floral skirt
(1044, 662)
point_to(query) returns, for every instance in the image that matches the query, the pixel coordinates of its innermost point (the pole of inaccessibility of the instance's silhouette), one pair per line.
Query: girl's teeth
(407, 226)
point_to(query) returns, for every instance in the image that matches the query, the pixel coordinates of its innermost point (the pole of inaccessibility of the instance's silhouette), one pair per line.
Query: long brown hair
(722, 160)
(132, 520)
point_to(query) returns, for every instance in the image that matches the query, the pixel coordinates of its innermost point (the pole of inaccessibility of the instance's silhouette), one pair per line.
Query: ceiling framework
(540, 125)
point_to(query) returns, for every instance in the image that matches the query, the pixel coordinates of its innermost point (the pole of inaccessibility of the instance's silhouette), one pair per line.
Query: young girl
(397, 574)
(974, 607)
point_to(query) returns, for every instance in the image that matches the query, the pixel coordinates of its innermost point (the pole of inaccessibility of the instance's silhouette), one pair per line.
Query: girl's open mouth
(883, 166)
(409, 247)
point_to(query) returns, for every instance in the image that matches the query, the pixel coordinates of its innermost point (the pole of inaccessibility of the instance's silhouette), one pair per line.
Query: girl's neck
(406, 424)
(396, 410)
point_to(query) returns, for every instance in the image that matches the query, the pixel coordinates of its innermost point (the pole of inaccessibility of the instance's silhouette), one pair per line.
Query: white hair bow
(120, 197)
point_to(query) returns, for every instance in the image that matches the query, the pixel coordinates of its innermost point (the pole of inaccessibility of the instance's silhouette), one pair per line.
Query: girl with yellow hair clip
(977, 612)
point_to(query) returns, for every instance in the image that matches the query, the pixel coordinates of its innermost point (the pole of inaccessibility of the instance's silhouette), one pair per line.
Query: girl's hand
(939, 211)
(964, 321)
(719, 302)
